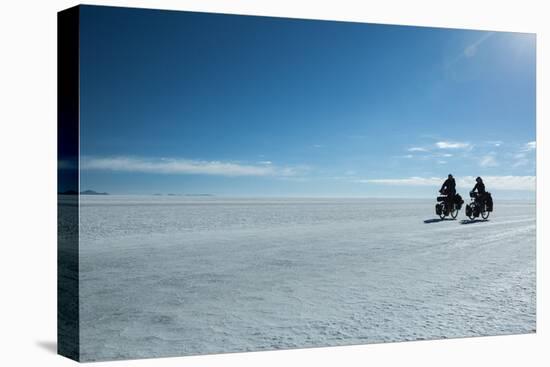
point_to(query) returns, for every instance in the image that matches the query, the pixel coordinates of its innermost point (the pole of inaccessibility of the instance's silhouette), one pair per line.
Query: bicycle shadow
(437, 220)
(471, 221)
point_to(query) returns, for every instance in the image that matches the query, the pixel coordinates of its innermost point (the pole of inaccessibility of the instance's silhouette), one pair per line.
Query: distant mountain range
(92, 192)
(170, 194)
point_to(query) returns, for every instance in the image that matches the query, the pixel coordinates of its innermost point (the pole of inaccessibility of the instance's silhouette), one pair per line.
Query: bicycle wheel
(454, 213)
(470, 212)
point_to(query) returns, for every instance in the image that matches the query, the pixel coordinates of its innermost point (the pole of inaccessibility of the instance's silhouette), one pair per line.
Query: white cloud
(488, 161)
(527, 183)
(185, 166)
(411, 181)
(452, 145)
(522, 157)
(417, 149)
(519, 183)
(495, 143)
(532, 145)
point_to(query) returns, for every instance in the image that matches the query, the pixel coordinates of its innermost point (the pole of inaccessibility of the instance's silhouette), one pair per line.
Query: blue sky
(177, 102)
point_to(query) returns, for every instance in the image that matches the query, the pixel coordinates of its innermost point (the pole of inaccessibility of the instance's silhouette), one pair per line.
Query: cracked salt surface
(181, 276)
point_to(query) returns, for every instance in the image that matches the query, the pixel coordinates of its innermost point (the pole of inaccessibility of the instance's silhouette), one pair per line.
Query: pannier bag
(489, 202)
(438, 209)
(476, 211)
(458, 201)
(468, 210)
(441, 198)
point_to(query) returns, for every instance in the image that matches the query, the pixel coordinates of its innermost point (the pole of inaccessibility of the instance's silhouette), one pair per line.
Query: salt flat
(163, 276)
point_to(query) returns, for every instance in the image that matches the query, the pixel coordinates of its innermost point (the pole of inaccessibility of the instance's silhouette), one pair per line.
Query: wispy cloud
(527, 183)
(471, 50)
(520, 183)
(495, 143)
(532, 145)
(452, 145)
(411, 181)
(417, 149)
(488, 160)
(524, 155)
(186, 166)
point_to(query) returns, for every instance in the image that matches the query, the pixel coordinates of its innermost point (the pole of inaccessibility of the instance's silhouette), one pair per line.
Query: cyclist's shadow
(436, 220)
(471, 221)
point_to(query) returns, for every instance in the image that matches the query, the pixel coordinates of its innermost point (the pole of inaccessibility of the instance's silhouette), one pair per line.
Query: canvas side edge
(68, 320)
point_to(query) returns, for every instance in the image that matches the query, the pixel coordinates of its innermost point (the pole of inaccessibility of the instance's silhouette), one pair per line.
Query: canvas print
(234, 183)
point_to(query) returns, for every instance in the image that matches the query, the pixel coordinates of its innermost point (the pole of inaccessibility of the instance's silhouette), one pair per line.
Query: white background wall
(28, 181)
